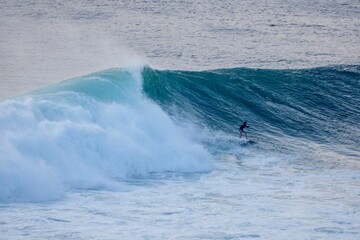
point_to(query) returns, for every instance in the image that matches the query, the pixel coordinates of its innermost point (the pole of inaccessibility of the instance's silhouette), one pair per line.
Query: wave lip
(90, 132)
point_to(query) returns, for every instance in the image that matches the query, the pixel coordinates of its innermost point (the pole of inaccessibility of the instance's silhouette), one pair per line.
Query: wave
(99, 130)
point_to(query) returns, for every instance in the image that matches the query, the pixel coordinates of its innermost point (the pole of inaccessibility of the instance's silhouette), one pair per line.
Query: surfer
(241, 129)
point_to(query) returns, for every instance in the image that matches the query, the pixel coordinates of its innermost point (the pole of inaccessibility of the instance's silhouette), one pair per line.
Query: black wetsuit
(242, 127)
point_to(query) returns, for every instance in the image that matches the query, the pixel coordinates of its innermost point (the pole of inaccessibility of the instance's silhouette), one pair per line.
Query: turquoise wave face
(112, 85)
(312, 110)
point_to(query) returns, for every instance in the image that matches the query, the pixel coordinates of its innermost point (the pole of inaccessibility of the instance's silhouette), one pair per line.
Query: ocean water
(119, 120)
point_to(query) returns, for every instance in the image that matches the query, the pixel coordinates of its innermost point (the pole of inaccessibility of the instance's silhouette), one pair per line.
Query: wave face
(315, 112)
(91, 132)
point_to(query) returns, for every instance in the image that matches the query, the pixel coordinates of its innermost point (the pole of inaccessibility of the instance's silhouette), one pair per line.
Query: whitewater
(119, 120)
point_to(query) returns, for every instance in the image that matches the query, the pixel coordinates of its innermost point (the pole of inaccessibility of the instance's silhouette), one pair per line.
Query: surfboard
(248, 142)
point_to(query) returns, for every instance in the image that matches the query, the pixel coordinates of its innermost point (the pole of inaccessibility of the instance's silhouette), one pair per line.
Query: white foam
(51, 146)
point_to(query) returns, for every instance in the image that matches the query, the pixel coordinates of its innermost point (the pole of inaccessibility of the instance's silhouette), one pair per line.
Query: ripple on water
(58, 220)
(249, 236)
(329, 230)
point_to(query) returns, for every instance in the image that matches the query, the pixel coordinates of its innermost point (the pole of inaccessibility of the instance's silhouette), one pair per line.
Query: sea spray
(90, 132)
